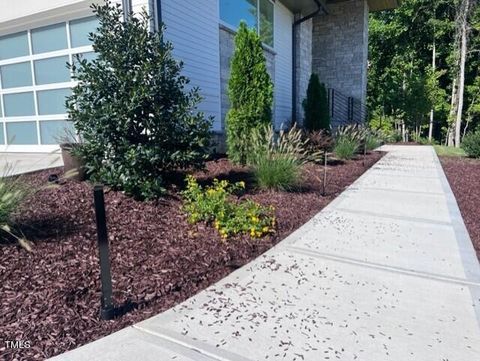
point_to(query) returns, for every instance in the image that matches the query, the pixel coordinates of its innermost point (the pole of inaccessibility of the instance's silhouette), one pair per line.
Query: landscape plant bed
(51, 297)
(463, 175)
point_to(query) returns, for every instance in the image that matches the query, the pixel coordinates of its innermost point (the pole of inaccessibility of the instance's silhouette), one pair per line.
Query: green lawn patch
(443, 151)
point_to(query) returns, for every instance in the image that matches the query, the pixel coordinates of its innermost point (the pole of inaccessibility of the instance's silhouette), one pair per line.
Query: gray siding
(283, 65)
(192, 27)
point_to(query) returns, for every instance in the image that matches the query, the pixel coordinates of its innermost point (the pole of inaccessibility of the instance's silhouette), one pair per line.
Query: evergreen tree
(315, 106)
(250, 90)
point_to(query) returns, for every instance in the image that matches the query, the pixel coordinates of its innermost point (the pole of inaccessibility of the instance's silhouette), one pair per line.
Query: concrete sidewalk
(386, 272)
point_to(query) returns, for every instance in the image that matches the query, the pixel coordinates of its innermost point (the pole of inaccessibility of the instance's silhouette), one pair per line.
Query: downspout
(320, 7)
(127, 9)
(155, 11)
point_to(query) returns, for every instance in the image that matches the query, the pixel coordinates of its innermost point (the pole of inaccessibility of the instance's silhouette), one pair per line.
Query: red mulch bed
(464, 177)
(51, 297)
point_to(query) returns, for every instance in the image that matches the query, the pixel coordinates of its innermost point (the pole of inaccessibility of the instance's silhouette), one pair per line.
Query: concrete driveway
(19, 163)
(386, 272)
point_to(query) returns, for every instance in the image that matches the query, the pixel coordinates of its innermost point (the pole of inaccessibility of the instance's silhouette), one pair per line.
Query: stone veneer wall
(303, 63)
(340, 47)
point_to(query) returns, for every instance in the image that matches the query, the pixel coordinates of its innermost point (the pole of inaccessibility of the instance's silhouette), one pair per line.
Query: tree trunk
(434, 55)
(453, 111)
(463, 29)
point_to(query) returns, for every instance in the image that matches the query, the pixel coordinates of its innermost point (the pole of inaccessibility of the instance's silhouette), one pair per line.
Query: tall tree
(463, 31)
(250, 91)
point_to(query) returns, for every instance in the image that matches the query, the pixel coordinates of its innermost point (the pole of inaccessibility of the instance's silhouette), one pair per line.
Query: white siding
(283, 64)
(192, 27)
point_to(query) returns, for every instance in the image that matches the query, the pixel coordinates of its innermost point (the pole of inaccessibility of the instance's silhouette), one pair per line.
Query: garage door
(34, 81)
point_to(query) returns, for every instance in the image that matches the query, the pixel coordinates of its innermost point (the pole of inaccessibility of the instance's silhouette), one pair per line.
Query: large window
(34, 80)
(257, 14)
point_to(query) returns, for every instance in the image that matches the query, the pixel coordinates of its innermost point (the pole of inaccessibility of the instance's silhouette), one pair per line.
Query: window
(16, 75)
(13, 46)
(49, 38)
(22, 133)
(79, 30)
(34, 80)
(258, 14)
(52, 70)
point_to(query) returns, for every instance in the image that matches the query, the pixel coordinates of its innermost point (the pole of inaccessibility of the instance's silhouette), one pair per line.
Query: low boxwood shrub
(215, 205)
(345, 147)
(132, 108)
(471, 144)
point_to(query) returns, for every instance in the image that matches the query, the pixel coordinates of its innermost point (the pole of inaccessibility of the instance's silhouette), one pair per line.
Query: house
(37, 38)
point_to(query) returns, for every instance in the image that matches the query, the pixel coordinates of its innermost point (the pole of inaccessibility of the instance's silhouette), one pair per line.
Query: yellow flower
(265, 229)
(241, 184)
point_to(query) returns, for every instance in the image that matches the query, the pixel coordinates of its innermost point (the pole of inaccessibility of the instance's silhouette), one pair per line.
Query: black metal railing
(345, 110)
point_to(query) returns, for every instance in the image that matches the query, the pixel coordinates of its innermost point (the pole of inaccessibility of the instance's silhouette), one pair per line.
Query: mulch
(51, 297)
(464, 177)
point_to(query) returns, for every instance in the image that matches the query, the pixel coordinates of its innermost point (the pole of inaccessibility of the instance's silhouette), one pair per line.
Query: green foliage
(401, 81)
(372, 142)
(277, 173)
(443, 151)
(354, 132)
(422, 140)
(250, 91)
(315, 106)
(132, 109)
(214, 205)
(277, 159)
(13, 193)
(471, 144)
(383, 127)
(345, 147)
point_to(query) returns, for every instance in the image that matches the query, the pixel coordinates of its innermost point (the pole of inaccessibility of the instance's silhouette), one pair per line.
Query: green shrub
(354, 132)
(214, 205)
(13, 192)
(250, 91)
(345, 147)
(383, 126)
(132, 109)
(371, 142)
(315, 106)
(277, 172)
(277, 159)
(471, 144)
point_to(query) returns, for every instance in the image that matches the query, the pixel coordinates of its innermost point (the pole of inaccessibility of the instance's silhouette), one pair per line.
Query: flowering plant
(215, 205)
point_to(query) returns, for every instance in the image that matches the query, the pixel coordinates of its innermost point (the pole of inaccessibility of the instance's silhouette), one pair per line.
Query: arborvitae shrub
(132, 109)
(315, 106)
(250, 91)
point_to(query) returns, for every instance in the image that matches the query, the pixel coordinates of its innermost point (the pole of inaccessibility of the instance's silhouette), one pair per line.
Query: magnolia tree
(133, 109)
